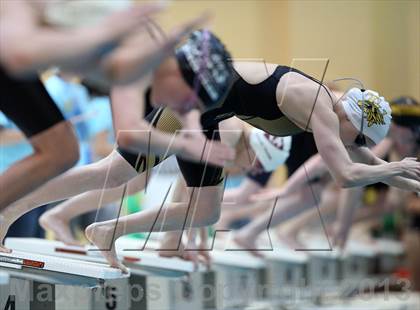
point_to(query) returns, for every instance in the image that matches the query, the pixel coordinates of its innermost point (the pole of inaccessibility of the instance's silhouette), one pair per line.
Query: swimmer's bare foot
(101, 235)
(5, 223)
(52, 221)
(247, 243)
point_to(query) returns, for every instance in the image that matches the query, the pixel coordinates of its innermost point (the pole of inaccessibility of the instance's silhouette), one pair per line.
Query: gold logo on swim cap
(372, 110)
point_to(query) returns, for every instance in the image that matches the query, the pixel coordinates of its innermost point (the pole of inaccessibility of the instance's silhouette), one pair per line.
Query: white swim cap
(377, 113)
(271, 151)
(80, 13)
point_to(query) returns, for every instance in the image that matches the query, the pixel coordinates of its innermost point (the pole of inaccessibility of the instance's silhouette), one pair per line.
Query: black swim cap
(206, 66)
(406, 113)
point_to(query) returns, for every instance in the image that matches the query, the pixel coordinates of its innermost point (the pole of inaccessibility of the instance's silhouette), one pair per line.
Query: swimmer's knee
(66, 154)
(58, 147)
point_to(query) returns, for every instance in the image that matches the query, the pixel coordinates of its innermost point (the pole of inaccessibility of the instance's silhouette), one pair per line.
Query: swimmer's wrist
(395, 168)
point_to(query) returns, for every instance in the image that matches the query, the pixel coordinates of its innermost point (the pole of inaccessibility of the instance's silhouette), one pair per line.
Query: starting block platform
(241, 278)
(155, 282)
(46, 282)
(4, 290)
(286, 270)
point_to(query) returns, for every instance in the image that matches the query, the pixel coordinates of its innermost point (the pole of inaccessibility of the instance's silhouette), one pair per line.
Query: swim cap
(270, 150)
(405, 112)
(377, 113)
(80, 13)
(206, 66)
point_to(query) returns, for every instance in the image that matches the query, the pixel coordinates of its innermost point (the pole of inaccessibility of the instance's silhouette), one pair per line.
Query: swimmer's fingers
(197, 257)
(191, 256)
(410, 168)
(204, 258)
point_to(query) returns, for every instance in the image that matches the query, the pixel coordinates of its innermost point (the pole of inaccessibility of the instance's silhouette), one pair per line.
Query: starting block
(286, 272)
(176, 283)
(240, 278)
(4, 291)
(360, 261)
(47, 282)
(390, 255)
(155, 282)
(325, 266)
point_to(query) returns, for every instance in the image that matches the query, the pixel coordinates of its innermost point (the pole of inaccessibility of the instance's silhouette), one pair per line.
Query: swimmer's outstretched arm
(408, 183)
(325, 127)
(128, 63)
(349, 200)
(45, 46)
(349, 212)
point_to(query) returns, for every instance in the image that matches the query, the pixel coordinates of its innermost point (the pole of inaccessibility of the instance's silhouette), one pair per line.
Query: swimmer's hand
(129, 63)
(410, 168)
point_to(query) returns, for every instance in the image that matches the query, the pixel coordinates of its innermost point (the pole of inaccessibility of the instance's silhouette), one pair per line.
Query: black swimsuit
(28, 104)
(254, 104)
